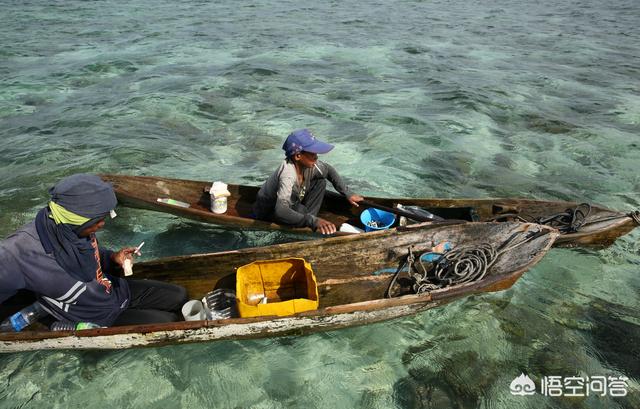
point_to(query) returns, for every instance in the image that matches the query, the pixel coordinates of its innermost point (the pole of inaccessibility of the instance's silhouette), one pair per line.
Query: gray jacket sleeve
(332, 176)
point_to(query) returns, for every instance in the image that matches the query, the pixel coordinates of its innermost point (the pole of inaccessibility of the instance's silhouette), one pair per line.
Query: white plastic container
(219, 194)
(347, 228)
(128, 267)
(194, 311)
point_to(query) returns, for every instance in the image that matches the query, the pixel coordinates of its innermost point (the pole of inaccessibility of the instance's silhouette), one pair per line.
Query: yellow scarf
(61, 215)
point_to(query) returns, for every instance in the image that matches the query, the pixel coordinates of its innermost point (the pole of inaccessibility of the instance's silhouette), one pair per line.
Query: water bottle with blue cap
(23, 318)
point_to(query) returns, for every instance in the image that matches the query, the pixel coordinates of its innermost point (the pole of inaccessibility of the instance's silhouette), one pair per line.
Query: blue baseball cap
(303, 140)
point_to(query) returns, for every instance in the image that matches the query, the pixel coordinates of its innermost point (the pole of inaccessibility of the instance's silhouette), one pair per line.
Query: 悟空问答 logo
(522, 386)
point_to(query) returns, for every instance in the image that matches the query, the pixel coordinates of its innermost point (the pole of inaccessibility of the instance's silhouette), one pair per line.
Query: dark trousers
(152, 302)
(312, 200)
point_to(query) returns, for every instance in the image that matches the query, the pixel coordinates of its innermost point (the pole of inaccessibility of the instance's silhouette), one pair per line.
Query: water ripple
(434, 98)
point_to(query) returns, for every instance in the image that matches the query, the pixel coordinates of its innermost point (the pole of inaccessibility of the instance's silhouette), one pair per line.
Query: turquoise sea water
(421, 98)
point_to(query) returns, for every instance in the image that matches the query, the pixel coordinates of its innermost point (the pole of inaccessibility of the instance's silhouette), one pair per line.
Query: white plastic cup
(194, 311)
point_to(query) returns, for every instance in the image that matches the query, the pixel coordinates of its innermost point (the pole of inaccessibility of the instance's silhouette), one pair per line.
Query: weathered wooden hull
(142, 192)
(351, 278)
(204, 331)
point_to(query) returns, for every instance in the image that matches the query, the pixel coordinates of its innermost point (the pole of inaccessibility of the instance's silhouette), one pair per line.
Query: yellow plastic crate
(289, 286)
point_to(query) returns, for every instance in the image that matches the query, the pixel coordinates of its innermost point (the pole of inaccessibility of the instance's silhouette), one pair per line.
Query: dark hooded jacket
(51, 260)
(25, 265)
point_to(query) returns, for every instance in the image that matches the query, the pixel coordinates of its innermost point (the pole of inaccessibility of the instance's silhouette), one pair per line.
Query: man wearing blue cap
(293, 194)
(57, 257)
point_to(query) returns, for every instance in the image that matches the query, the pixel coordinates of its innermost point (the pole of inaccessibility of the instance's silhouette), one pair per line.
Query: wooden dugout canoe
(601, 228)
(353, 273)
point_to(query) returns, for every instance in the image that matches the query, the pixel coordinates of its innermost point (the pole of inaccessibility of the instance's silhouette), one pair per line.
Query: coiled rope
(458, 266)
(571, 220)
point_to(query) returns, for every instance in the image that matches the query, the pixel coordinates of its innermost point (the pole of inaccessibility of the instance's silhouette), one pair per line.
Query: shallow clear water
(421, 98)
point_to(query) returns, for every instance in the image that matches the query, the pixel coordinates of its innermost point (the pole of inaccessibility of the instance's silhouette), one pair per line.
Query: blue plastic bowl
(384, 219)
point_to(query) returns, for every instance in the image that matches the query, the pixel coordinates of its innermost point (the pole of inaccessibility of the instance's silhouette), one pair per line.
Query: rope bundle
(570, 221)
(459, 266)
(574, 219)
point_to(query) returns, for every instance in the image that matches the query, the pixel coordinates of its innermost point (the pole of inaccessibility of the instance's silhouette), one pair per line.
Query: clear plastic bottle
(72, 326)
(23, 318)
(87, 325)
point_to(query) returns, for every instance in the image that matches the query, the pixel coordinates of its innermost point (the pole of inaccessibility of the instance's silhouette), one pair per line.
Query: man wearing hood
(58, 258)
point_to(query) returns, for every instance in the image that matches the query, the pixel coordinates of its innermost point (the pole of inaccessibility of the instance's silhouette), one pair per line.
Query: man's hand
(325, 226)
(125, 253)
(354, 199)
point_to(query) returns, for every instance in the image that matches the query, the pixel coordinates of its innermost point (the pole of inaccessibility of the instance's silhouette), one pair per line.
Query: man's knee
(180, 297)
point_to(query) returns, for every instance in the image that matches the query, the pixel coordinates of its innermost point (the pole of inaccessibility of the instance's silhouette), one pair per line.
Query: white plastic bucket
(218, 204)
(219, 194)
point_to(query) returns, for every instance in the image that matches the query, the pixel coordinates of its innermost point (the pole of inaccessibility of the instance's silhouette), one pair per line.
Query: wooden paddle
(398, 212)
